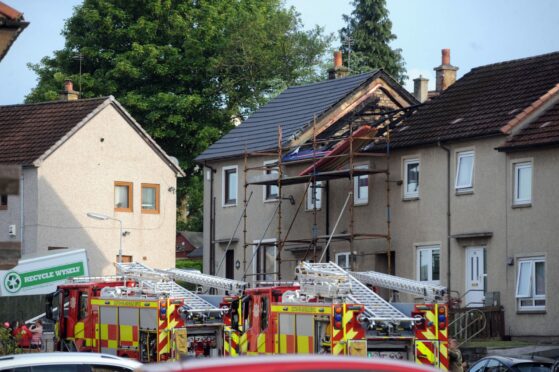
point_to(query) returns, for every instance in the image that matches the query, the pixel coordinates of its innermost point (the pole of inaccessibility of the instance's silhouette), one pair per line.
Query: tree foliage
(183, 68)
(370, 31)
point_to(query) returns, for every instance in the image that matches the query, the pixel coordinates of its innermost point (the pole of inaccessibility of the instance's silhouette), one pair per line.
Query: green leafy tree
(369, 32)
(183, 68)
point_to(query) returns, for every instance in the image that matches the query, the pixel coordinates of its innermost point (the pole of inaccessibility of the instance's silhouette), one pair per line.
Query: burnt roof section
(11, 25)
(540, 132)
(293, 110)
(481, 102)
(28, 131)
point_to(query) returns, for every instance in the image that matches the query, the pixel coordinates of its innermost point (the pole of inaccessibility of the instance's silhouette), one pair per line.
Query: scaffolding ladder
(429, 292)
(159, 282)
(376, 308)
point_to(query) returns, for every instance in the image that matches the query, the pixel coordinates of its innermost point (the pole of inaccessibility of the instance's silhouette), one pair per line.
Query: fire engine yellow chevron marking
(261, 343)
(349, 333)
(430, 317)
(424, 350)
(243, 343)
(338, 349)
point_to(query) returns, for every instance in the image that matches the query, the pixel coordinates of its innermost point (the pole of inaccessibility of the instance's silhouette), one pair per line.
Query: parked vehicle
(505, 364)
(292, 363)
(67, 362)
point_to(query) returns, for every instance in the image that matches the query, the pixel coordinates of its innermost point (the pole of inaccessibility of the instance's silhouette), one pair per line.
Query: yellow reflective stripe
(302, 309)
(113, 344)
(303, 344)
(104, 331)
(126, 333)
(425, 351)
(338, 349)
(79, 330)
(125, 303)
(261, 343)
(430, 317)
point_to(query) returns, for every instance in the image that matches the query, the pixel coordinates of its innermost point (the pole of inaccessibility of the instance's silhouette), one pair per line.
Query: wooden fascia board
(347, 105)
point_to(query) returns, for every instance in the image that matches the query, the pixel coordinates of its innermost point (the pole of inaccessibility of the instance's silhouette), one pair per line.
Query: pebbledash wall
(79, 178)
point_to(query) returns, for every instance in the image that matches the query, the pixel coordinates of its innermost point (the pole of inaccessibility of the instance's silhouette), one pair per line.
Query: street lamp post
(103, 217)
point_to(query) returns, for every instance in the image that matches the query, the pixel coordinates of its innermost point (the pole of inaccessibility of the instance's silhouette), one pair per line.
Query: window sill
(360, 204)
(460, 192)
(526, 311)
(522, 205)
(229, 205)
(122, 210)
(312, 210)
(410, 198)
(150, 211)
(271, 200)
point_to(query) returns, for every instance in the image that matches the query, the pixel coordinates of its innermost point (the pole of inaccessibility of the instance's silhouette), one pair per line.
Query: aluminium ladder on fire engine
(376, 308)
(414, 287)
(211, 281)
(159, 282)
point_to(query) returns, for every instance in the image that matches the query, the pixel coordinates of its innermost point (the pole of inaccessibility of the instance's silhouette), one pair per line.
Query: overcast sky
(478, 32)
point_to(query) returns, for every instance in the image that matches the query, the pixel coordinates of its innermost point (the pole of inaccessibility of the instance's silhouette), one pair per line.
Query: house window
(271, 192)
(523, 183)
(428, 268)
(342, 260)
(125, 258)
(361, 187)
(123, 196)
(314, 196)
(150, 198)
(465, 171)
(265, 263)
(530, 284)
(411, 178)
(3, 202)
(230, 186)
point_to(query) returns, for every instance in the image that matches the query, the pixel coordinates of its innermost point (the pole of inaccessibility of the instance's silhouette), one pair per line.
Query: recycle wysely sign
(14, 281)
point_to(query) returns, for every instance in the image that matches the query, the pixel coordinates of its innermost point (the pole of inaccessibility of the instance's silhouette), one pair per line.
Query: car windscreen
(532, 367)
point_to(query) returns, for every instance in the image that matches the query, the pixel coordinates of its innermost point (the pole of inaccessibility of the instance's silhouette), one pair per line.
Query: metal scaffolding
(343, 166)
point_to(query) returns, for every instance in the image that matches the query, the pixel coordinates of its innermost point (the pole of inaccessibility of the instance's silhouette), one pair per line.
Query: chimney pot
(338, 59)
(446, 56)
(68, 86)
(69, 94)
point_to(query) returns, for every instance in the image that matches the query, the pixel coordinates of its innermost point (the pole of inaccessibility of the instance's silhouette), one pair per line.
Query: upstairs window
(314, 196)
(123, 196)
(530, 284)
(342, 260)
(522, 183)
(411, 178)
(271, 192)
(3, 202)
(230, 181)
(465, 171)
(150, 198)
(361, 187)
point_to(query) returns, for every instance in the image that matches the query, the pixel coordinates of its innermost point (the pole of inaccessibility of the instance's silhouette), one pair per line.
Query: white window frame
(526, 297)
(429, 249)
(412, 194)
(347, 258)
(363, 200)
(224, 184)
(264, 244)
(265, 188)
(318, 195)
(459, 156)
(517, 167)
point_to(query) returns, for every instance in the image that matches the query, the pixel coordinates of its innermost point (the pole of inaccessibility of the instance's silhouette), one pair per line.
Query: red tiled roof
(28, 131)
(9, 12)
(542, 131)
(481, 102)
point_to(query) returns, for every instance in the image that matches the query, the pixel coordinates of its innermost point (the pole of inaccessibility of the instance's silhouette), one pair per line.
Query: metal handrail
(470, 320)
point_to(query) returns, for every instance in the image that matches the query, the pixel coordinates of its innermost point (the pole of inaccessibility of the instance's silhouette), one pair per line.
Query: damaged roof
(294, 109)
(481, 102)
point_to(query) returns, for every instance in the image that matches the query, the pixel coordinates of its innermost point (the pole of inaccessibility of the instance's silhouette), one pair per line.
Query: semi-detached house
(88, 156)
(472, 175)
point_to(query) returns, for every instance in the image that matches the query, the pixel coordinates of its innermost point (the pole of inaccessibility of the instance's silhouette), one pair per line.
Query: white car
(66, 362)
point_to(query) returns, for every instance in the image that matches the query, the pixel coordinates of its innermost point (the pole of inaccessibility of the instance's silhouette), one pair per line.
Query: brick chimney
(69, 94)
(421, 88)
(339, 70)
(446, 73)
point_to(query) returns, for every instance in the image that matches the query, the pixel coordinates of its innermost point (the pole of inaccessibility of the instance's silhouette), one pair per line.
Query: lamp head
(97, 216)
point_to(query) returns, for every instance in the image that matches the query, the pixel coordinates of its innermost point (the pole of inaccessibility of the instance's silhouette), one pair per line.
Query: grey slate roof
(293, 110)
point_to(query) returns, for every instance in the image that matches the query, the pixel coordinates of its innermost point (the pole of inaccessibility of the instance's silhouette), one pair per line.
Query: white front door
(475, 277)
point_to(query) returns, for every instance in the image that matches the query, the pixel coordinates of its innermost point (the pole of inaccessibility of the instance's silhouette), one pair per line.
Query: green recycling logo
(12, 282)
